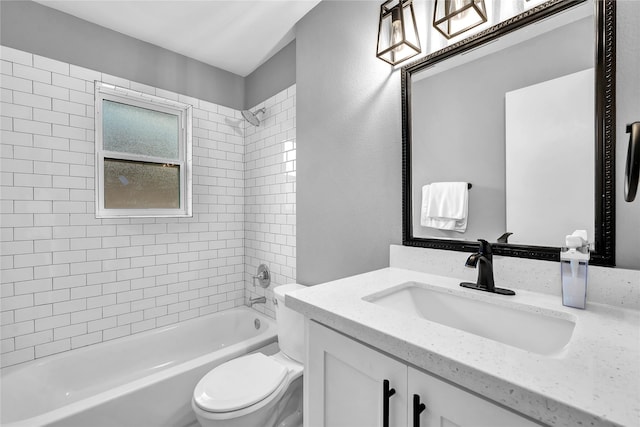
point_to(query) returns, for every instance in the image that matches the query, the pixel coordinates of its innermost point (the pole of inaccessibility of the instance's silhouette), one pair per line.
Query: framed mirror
(524, 113)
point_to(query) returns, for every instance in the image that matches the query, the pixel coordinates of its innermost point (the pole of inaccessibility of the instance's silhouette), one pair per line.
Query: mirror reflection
(516, 120)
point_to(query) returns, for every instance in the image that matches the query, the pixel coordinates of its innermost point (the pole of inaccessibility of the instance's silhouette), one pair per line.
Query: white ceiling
(235, 35)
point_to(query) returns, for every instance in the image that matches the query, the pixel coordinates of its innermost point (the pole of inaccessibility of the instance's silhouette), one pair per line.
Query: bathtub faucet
(257, 300)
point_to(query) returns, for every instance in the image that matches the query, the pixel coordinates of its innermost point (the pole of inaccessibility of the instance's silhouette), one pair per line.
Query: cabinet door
(345, 381)
(449, 406)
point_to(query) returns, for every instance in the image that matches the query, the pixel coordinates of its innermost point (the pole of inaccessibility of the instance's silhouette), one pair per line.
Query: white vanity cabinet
(346, 385)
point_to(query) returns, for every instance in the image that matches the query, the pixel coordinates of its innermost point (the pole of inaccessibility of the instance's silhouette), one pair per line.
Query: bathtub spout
(257, 300)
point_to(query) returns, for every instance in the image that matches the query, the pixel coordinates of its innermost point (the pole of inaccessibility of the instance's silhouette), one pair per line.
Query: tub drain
(256, 323)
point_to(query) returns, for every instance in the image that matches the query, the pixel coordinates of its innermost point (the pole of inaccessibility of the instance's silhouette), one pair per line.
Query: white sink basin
(529, 328)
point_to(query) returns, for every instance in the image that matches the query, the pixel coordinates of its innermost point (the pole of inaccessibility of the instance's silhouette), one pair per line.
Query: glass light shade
(454, 17)
(397, 32)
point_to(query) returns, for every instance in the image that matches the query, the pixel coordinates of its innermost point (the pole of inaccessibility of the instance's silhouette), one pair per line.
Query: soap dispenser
(574, 259)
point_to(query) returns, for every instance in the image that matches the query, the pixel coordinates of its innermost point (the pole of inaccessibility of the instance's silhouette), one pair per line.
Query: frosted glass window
(143, 155)
(138, 185)
(135, 130)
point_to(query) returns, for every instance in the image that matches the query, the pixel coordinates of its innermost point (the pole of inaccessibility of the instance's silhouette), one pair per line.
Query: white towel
(445, 206)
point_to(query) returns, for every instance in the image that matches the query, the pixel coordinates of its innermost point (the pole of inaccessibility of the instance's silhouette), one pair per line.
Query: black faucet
(484, 257)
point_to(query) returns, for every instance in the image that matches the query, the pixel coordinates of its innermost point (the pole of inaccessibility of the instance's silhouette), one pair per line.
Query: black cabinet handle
(632, 169)
(387, 392)
(417, 410)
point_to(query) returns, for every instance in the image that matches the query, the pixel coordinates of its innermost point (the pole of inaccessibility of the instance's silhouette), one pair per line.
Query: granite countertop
(593, 381)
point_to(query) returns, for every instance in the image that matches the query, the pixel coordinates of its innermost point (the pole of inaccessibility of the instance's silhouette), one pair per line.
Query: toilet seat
(239, 383)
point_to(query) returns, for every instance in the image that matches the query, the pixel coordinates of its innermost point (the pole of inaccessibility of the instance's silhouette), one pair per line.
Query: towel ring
(632, 169)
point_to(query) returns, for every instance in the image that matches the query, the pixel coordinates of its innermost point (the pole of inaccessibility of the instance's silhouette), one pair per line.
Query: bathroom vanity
(377, 351)
(350, 393)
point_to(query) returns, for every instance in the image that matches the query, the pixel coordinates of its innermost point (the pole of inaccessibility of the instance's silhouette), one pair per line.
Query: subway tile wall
(68, 279)
(270, 196)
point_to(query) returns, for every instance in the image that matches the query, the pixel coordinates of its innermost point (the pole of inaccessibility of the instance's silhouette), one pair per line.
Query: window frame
(104, 91)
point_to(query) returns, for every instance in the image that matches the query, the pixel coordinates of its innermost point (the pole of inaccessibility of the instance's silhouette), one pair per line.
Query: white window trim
(183, 111)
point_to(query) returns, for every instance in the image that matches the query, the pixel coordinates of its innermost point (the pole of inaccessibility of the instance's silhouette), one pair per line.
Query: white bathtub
(141, 380)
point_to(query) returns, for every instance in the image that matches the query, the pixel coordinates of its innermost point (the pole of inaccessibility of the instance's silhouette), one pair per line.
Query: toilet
(256, 390)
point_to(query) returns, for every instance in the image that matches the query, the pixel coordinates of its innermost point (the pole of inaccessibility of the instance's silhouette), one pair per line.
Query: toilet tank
(290, 324)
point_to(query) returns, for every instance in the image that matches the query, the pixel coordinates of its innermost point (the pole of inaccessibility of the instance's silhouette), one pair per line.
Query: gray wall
(275, 75)
(349, 165)
(462, 138)
(34, 28)
(349, 144)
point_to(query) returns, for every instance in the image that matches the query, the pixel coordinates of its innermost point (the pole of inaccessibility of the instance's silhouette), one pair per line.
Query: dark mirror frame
(604, 239)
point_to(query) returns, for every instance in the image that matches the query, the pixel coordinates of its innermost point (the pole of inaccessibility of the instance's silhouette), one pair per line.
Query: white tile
(16, 83)
(16, 302)
(49, 116)
(128, 318)
(86, 315)
(52, 322)
(50, 64)
(51, 91)
(51, 245)
(85, 340)
(31, 340)
(167, 320)
(32, 260)
(86, 267)
(50, 168)
(68, 107)
(84, 73)
(16, 357)
(109, 334)
(69, 182)
(30, 73)
(7, 345)
(144, 325)
(31, 286)
(6, 123)
(53, 219)
(101, 301)
(52, 348)
(51, 271)
(101, 324)
(15, 138)
(15, 55)
(69, 331)
(6, 67)
(17, 329)
(18, 111)
(41, 193)
(28, 126)
(84, 98)
(69, 306)
(67, 82)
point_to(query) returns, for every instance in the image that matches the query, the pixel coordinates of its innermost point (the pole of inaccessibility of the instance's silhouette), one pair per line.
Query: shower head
(253, 118)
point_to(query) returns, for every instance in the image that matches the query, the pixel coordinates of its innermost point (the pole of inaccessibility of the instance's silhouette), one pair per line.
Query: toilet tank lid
(282, 290)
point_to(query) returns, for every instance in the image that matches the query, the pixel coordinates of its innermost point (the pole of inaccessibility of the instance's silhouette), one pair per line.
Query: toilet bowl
(256, 390)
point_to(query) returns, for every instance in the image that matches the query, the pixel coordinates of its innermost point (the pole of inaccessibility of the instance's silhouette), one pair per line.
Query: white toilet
(257, 390)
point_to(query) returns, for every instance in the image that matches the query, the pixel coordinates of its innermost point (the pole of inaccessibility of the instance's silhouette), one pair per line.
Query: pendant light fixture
(454, 17)
(397, 32)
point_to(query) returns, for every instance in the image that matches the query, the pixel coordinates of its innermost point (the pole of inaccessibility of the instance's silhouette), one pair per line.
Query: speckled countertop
(593, 381)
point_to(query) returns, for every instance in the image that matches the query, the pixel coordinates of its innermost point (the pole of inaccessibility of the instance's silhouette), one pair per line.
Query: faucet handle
(263, 276)
(485, 247)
